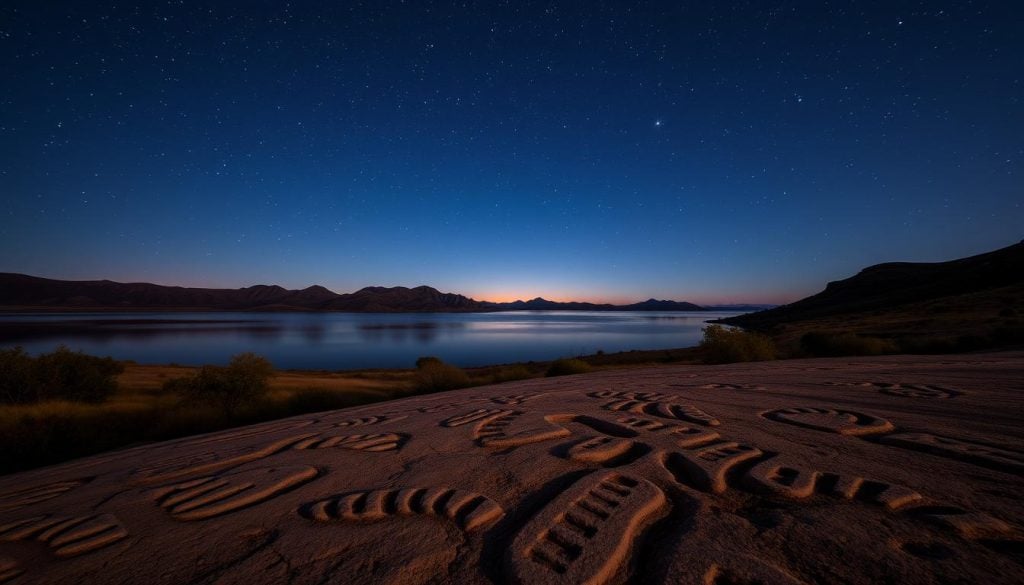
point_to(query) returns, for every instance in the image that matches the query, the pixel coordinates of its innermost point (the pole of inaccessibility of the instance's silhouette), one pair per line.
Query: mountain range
(24, 292)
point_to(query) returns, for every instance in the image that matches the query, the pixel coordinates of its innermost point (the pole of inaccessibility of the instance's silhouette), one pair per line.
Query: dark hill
(921, 290)
(30, 291)
(19, 290)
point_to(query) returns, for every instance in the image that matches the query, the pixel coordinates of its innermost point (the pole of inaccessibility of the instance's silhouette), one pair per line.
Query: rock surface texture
(902, 469)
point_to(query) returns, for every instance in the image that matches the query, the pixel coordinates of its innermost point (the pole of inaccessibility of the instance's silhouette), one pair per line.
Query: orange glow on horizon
(704, 299)
(508, 297)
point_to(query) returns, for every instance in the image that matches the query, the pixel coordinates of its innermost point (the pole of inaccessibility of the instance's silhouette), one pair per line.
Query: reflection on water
(423, 331)
(313, 332)
(15, 331)
(349, 340)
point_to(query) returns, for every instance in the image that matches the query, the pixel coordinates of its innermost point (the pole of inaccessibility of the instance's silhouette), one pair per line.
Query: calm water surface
(353, 340)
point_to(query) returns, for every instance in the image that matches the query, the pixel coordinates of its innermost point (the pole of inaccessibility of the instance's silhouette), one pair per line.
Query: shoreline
(143, 411)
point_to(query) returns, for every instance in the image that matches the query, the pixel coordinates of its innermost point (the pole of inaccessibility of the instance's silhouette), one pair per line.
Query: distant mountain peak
(375, 289)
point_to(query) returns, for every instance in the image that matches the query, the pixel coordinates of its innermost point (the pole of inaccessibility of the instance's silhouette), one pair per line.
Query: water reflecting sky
(346, 340)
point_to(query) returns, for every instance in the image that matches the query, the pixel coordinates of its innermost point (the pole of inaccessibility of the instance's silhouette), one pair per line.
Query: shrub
(251, 370)
(428, 361)
(73, 375)
(433, 375)
(59, 375)
(242, 383)
(724, 346)
(567, 367)
(822, 344)
(17, 377)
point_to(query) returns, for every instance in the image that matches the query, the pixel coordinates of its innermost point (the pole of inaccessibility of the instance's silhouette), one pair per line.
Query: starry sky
(603, 151)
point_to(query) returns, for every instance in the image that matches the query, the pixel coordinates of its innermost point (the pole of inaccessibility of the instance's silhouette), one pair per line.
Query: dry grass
(142, 411)
(142, 383)
(337, 382)
(33, 435)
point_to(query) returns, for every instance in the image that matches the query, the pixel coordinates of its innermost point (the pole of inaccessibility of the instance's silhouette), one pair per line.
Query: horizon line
(498, 298)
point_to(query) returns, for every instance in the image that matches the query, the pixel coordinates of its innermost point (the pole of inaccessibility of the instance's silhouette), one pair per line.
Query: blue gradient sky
(590, 150)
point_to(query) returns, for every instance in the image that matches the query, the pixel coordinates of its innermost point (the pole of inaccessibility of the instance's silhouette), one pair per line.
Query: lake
(335, 341)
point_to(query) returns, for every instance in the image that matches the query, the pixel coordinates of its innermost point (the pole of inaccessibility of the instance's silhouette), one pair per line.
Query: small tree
(242, 382)
(426, 361)
(251, 370)
(723, 346)
(72, 375)
(433, 375)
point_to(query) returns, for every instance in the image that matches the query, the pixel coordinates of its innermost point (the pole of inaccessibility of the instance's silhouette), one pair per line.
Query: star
(658, 123)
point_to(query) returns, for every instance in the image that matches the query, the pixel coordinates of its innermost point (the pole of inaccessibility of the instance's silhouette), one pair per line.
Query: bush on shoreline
(59, 375)
(242, 383)
(433, 375)
(567, 367)
(726, 346)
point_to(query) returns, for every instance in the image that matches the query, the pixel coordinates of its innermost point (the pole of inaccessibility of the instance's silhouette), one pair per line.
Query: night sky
(608, 151)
